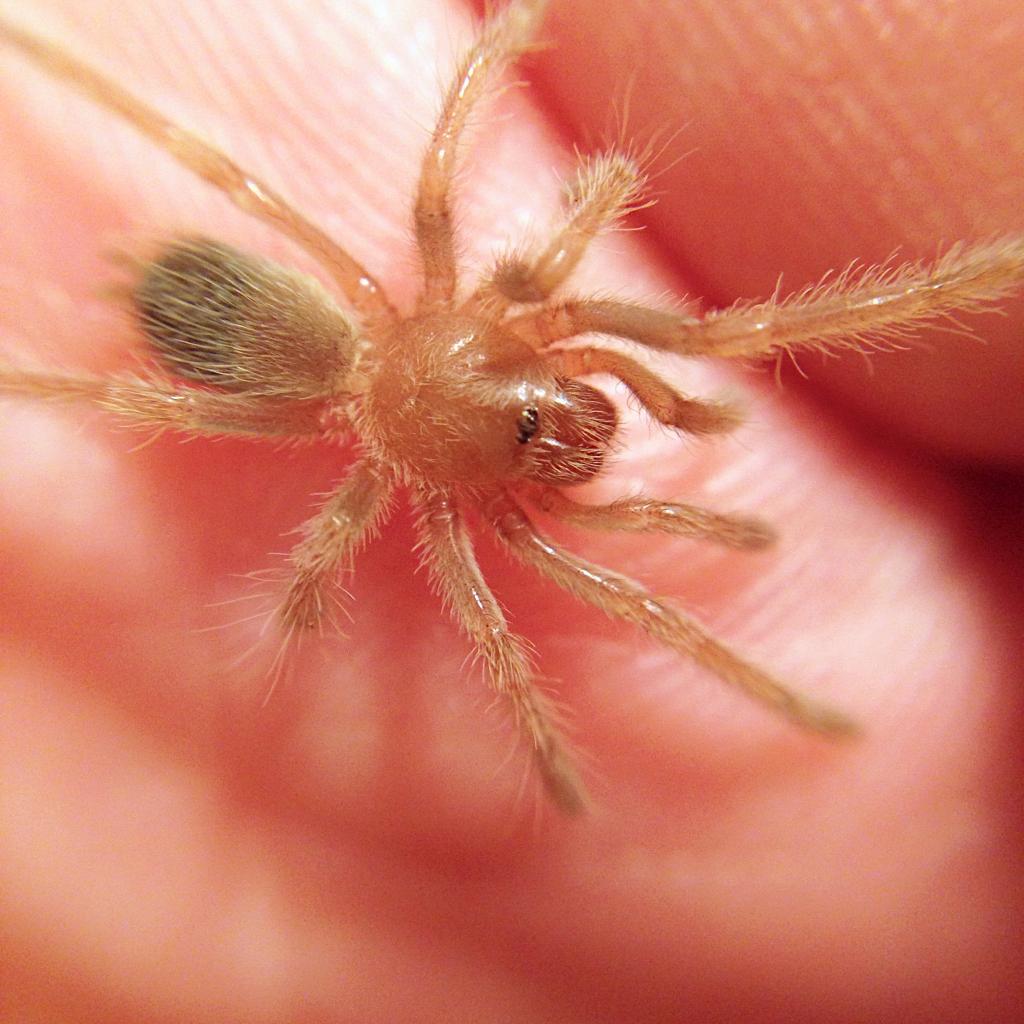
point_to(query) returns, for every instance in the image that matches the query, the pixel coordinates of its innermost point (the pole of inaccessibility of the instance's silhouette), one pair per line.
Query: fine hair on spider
(472, 399)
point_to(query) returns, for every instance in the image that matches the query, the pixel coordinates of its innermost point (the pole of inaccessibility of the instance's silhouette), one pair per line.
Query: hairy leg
(858, 307)
(643, 515)
(659, 399)
(330, 539)
(622, 598)
(500, 42)
(606, 188)
(246, 192)
(150, 403)
(448, 553)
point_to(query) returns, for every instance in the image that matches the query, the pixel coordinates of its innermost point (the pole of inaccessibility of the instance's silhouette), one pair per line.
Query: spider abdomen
(221, 316)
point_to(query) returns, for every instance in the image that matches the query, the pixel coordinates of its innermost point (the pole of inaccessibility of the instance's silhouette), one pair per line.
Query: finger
(382, 744)
(810, 135)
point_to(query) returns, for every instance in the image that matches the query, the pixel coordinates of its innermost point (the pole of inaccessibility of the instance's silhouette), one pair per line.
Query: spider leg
(858, 307)
(503, 38)
(641, 515)
(606, 188)
(659, 399)
(448, 552)
(622, 598)
(246, 192)
(152, 403)
(330, 539)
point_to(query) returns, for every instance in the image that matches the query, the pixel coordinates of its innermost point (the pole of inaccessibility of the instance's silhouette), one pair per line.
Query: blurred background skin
(354, 851)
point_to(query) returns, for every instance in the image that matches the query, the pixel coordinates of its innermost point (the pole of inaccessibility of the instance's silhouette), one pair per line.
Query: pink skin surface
(358, 849)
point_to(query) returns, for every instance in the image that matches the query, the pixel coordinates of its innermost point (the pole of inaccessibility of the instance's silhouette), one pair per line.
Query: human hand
(355, 849)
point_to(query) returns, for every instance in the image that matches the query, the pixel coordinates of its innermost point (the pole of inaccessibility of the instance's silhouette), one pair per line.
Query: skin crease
(355, 851)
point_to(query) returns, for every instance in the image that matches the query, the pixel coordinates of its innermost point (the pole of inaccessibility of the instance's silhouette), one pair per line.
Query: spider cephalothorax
(472, 399)
(460, 400)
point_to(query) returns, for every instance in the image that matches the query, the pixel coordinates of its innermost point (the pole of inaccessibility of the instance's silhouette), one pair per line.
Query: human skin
(358, 849)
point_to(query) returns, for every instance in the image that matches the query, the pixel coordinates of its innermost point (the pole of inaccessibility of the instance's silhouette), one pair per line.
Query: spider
(472, 399)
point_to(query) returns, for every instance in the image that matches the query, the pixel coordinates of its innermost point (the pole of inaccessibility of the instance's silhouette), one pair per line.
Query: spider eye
(528, 424)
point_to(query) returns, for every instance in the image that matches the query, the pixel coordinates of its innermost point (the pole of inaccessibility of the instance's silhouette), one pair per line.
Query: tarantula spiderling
(472, 399)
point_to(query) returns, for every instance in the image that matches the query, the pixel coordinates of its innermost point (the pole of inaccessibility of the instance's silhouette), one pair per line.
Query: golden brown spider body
(473, 398)
(456, 400)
